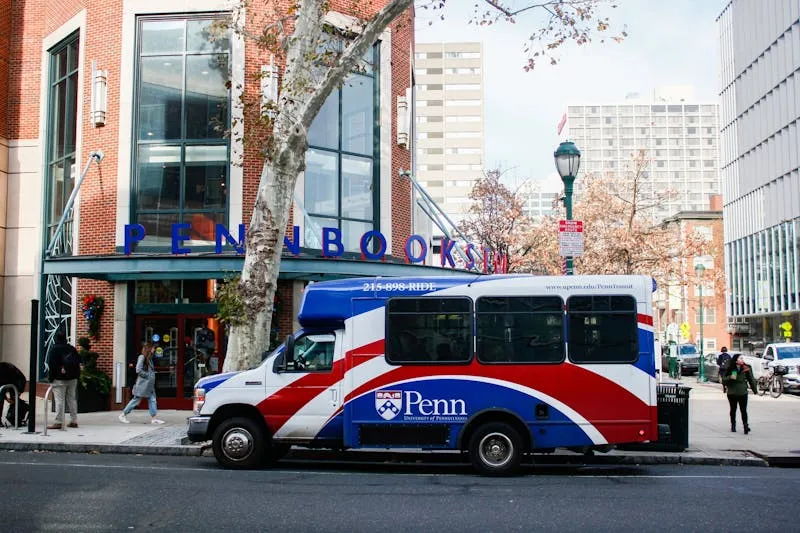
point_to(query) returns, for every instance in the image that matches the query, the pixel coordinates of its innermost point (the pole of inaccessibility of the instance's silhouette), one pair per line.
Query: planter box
(90, 401)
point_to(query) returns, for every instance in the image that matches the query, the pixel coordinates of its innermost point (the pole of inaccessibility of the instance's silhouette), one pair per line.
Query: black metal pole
(34, 365)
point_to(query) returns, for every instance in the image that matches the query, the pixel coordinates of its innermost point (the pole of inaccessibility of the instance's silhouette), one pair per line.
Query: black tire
(776, 387)
(276, 452)
(495, 449)
(240, 443)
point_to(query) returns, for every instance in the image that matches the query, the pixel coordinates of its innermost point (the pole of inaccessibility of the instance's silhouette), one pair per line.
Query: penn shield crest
(388, 403)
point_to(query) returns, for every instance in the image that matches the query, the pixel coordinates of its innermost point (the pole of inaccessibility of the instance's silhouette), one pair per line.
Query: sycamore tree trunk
(301, 98)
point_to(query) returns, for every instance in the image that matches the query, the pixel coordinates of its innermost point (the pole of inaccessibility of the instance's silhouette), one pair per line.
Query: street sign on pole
(570, 238)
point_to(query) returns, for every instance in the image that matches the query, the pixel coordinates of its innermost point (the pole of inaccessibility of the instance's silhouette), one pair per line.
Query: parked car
(688, 356)
(710, 367)
(785, 354)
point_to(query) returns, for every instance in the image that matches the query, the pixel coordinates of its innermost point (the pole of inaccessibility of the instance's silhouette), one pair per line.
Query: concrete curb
(781, 461)
(319, 456)
(102, 448)
(542, 459)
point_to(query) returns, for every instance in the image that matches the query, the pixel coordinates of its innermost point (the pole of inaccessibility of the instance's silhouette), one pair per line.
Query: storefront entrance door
(186, 348)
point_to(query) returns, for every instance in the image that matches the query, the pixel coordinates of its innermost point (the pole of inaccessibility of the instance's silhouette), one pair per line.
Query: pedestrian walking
(145, 386)
(737, 379)
(63, 365)
(723, 363)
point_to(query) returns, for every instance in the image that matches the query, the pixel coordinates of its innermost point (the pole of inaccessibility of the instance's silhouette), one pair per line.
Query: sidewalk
(774, 440)
(103, 432)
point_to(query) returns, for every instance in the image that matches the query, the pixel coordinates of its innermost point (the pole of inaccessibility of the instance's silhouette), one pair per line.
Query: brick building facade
(151, 85)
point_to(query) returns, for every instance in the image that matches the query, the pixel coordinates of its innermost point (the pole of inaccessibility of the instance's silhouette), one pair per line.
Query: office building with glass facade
(760, 161)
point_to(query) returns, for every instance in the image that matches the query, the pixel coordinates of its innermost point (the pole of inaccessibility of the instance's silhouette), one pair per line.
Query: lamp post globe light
(699, 269)
(568, 160)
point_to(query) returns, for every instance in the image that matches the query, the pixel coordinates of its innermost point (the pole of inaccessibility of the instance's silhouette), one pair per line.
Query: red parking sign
(570, 238)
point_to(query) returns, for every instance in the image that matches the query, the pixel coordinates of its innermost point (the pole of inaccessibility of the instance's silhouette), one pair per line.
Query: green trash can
(673, 410)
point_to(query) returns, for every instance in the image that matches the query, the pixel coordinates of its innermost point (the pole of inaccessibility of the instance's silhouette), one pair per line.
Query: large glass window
(181, 149)
(63, 108)
(341, 177)
(602, 329)
(428, 330)
(525, 329)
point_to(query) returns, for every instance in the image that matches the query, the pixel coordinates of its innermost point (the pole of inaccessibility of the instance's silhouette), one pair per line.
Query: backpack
(24, 410)
(72, 363)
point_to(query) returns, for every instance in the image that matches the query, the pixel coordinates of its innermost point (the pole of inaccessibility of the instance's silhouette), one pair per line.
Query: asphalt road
(78, 492)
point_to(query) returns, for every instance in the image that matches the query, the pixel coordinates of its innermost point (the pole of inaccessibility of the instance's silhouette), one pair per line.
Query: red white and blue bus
(496, 366)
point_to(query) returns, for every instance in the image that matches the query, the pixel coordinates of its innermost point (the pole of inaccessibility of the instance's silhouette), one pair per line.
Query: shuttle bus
(496, 366)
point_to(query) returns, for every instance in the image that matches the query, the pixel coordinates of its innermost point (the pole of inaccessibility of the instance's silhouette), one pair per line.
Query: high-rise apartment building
(449, 122)
(760, 156)
(677, 132)
(539, 198)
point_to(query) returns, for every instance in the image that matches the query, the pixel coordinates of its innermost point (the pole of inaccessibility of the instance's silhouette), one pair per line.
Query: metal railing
(46, 394)
(16, 402)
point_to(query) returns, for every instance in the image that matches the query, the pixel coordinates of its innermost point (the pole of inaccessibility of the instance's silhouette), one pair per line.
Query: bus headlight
(199, 400)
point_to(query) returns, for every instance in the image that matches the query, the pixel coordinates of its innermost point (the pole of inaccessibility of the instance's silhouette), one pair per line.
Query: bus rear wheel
(495, 449)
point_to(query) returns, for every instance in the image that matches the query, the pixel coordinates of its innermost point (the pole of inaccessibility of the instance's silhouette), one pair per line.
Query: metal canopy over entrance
(129, 268)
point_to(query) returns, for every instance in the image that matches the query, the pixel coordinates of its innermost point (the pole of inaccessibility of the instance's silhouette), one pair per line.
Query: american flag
(562, 123)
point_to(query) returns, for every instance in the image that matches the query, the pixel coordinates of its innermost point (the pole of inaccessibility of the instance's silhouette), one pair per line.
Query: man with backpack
(723, 362)
(63, 368)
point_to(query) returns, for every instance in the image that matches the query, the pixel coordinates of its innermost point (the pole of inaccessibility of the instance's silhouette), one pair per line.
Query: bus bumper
(198, 428)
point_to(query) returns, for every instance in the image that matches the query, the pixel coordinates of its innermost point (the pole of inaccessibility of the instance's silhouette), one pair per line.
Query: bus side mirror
(288, 352)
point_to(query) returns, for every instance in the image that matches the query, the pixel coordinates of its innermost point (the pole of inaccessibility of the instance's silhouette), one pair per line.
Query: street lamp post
(568, 160)
(699, 269)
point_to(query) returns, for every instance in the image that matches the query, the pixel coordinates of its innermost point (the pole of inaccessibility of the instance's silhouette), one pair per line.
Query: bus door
(364, 342)
(309, 387)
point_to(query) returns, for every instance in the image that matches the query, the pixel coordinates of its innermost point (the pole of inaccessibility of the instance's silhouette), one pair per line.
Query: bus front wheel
(495, 449)
(239, 443)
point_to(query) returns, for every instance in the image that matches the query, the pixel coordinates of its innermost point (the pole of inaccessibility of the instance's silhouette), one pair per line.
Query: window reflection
(340, 181)
(160, 98)
(163, 36)
(356, 187)
(206, 96)
(322, 196)
(357, 107)
(183, 98)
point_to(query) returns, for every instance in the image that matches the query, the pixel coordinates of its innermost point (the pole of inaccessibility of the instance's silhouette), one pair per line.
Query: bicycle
(772, 382)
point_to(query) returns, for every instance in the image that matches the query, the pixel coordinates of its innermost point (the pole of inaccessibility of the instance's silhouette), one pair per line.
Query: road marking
(330, 473)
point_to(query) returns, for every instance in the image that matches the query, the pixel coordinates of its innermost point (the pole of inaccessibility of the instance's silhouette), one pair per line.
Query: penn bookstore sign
(372, 244)
(570, 238)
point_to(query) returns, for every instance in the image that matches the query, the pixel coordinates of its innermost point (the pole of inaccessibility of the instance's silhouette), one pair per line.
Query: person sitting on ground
(11, 375)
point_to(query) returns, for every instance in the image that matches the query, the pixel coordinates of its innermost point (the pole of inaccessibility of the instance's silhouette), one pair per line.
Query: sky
(670, 42)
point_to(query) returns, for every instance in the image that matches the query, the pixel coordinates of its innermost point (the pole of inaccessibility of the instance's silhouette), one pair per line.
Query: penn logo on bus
(372, 244)
(388, 403)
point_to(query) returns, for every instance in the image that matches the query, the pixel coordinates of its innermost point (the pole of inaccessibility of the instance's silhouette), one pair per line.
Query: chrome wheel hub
(237, 444)
(496, 449)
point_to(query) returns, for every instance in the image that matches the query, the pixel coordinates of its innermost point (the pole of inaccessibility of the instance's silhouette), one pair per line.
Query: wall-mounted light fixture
(404, 120)
(269, 88)
(99, 95)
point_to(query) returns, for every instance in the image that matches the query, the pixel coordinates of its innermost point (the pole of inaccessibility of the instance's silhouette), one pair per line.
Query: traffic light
(787, 329)
(685, 330)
